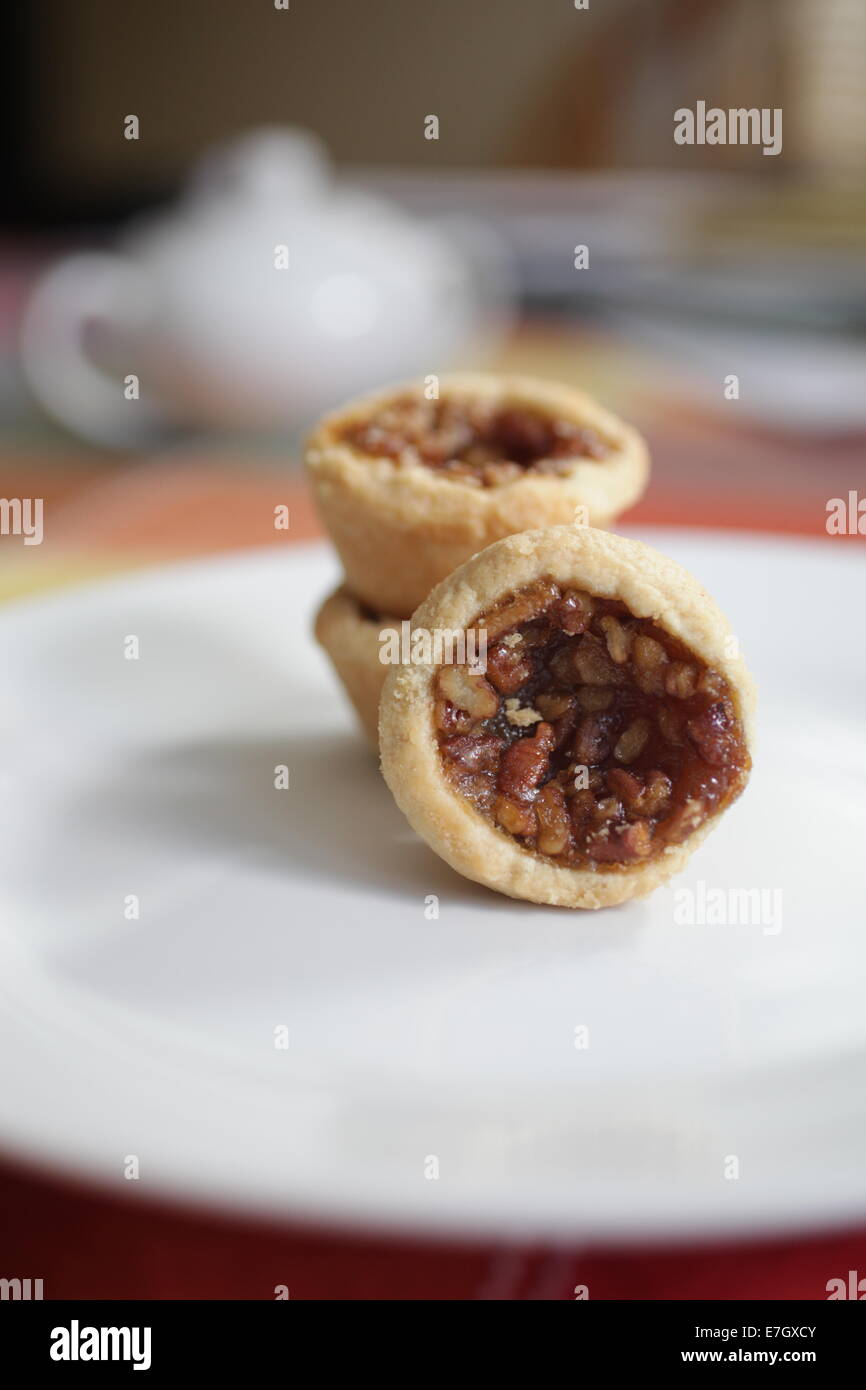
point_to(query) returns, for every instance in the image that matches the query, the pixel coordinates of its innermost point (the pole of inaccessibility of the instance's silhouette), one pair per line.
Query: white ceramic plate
(713, 1049)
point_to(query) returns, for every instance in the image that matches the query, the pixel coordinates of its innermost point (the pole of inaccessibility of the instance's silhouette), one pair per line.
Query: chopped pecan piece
(508, 667)
(469, 692)
(619, 638)
(561, 711)
(643, 797)
(573, 612)
(632, 741)
(474, 752)
(581, 805)
(626, 786)
(554, 823)
(649, 658)
(517, 817)
(622, 843)
(523, 608)
(592, 664)
(681, 680)
(555, 703)
(607, 808)
(594, 739)
(450, 719)
(656, 795)
(711, 732)
(524, 765)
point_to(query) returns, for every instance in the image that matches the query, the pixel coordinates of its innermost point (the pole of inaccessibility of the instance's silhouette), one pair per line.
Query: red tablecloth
(85, 1245)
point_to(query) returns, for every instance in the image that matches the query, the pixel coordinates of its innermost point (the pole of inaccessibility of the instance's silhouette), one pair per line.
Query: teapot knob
(266, 165)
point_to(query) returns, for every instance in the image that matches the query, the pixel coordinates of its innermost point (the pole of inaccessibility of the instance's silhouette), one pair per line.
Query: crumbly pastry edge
(609, 566)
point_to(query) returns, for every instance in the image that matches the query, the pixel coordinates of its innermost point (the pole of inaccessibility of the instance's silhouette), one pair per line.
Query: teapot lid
(273, 164)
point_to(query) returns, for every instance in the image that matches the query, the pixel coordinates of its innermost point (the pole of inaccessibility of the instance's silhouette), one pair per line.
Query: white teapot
(268, 295)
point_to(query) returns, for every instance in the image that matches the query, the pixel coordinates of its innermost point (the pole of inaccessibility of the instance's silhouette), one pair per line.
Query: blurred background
(160, 154)
(223, 218)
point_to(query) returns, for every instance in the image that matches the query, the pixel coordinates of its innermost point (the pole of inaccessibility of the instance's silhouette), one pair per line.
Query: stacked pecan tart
(608, 727)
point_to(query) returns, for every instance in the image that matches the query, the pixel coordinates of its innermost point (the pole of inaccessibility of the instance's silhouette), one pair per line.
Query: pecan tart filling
(482, 443)
(594, 737)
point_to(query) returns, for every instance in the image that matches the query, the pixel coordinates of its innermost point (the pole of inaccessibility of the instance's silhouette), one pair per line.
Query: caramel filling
(474, 442)
(594, 738)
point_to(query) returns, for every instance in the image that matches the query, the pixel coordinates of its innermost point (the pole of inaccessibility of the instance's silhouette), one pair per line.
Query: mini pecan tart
(608, 733)
(350, 634)
(409, 488)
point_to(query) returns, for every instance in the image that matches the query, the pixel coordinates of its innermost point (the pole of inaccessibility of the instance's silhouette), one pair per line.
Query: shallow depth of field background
(556, 129)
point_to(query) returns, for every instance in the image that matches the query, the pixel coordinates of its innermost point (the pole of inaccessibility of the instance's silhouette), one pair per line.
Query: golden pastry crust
(401, 529)
(599, 563)
(351, 638)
